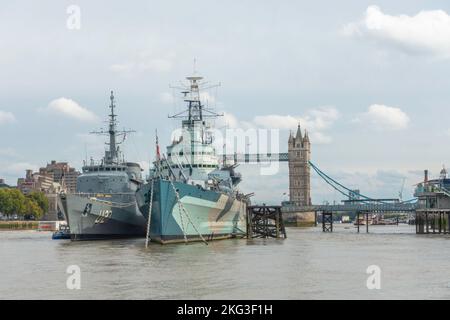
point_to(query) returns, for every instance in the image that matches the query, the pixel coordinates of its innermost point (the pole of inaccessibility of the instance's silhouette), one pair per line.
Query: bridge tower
(299, 154)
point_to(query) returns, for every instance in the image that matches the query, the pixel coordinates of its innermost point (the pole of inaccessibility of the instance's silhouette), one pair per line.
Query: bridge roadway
(353, 207)
(288, 207)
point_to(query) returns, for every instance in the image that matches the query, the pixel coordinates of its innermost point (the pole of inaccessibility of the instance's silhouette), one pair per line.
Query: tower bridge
(299, 205)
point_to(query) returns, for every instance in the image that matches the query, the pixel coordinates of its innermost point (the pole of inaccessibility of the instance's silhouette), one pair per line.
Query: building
(3, 184)
(63, 174)
(38, 181)
(42, 181)
(299, 155)
(299, 151)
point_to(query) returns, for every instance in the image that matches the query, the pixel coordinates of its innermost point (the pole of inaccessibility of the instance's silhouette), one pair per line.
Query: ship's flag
(158, 154)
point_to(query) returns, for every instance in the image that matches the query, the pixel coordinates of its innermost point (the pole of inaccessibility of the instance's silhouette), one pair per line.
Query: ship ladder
(147, 237)
(183, 210)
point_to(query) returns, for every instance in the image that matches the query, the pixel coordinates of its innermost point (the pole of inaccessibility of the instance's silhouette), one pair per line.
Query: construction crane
(400, 194)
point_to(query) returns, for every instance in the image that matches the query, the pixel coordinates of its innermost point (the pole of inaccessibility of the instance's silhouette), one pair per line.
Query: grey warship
(104, 204)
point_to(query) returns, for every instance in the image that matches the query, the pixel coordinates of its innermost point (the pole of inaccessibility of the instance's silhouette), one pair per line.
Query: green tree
(5, 202)
(40, 199)
(33, 208)
(18, 202)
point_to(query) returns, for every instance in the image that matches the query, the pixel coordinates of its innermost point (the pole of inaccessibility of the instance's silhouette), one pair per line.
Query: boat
(189, 195)
(345, 219)
(104, 204)
(62, 234)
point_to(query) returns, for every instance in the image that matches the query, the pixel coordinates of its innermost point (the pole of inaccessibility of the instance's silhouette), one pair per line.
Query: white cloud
(384, 117)
(8, 153)
(317, 121)
(70, 108)
(6, 117)
(314, 120)
(144, 61)
(425, 32)
(19, 168)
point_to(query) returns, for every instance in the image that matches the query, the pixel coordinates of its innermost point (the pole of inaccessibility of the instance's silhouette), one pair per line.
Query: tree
(12, 201)
(18, 202)
(5, 202)
(40, 199)
(32, 208)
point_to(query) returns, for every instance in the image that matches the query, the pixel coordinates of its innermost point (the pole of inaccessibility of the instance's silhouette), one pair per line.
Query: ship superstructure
(192, 195)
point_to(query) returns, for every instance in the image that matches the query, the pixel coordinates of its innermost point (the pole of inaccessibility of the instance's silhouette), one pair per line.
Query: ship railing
(102, 194)
(100, 198)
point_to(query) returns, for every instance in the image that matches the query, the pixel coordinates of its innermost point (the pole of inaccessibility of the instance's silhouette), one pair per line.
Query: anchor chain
(150, 205)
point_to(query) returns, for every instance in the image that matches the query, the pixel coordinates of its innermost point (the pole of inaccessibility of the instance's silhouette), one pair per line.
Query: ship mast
(191, 94)
(113, 152)
(112, 156)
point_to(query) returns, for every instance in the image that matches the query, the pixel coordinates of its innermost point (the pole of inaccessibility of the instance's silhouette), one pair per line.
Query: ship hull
(94, 218)
(213, 215)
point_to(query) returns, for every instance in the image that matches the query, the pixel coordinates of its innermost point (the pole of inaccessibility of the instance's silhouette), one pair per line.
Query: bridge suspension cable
(338, 187)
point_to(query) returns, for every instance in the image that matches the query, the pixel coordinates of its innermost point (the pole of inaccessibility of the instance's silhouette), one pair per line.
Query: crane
(400, 194)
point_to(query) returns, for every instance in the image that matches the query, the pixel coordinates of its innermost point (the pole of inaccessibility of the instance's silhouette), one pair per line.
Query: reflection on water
(307, 265)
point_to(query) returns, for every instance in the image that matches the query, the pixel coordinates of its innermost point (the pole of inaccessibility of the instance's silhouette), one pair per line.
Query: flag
(158, 154)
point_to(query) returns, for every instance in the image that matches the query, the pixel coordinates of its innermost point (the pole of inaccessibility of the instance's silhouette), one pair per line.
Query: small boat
(62, 234)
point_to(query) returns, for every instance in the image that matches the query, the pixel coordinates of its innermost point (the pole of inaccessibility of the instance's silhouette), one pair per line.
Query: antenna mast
(112, 155)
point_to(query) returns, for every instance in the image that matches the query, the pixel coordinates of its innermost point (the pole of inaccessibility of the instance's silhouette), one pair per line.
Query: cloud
(425, 32)
(316, 121)
(70, 108)
(18, 169)
(384, 117)
(6, 117)
(8, 153)
(143, 62)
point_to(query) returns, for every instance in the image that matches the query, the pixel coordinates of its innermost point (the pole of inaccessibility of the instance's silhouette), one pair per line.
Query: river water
(308, 264)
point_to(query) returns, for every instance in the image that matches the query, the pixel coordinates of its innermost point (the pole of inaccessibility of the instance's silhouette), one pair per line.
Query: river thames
(308, 264)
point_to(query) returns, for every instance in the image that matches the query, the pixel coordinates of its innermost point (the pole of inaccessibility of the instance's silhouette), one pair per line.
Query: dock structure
(265, 222)
(433, 212)
(433, 221)
(327, 221)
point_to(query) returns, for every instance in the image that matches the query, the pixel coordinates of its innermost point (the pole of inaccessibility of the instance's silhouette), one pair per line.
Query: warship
(189, 195)
(104, 204)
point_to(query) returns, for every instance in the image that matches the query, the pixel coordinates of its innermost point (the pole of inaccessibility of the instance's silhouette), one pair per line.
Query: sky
(368, 80)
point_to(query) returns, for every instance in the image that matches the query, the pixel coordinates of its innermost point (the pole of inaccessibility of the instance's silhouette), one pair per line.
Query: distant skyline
(368, 80)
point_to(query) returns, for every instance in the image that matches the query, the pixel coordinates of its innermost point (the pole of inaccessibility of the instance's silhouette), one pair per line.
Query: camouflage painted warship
(189, 195)
(104, 205)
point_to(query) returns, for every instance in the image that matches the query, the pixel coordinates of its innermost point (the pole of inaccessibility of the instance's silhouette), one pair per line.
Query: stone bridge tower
(299, 170)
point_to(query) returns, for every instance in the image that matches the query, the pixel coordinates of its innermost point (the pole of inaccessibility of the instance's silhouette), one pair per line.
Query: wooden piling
(367, 222)
(265, 222)
(357, 221)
